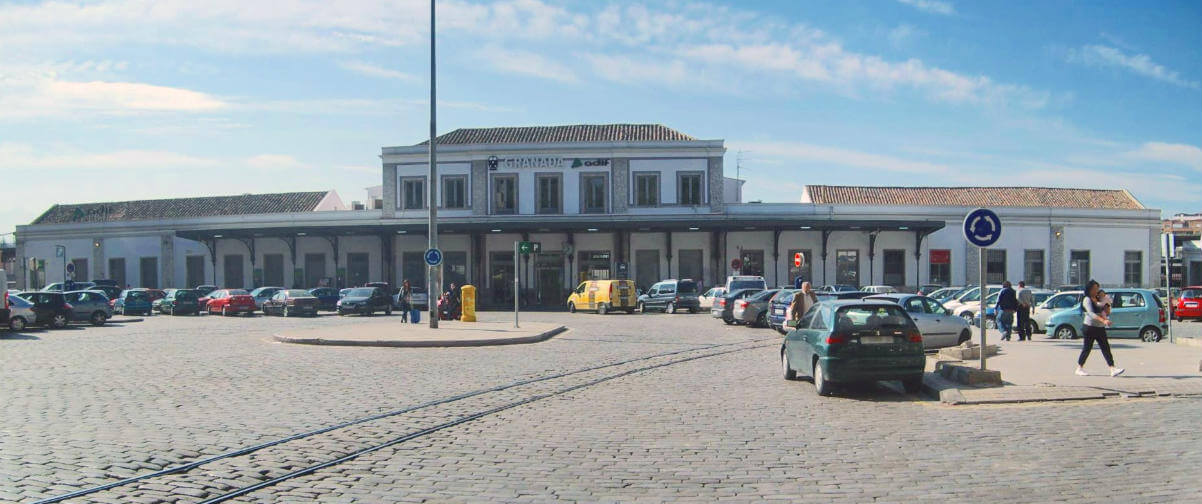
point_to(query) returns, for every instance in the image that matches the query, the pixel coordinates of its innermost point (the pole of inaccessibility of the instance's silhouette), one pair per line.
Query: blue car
(1136, 313)
(133, 301)
(327, 298)
(778, 309)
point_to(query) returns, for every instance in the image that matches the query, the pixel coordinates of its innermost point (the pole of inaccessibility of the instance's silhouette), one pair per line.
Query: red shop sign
(941, 257)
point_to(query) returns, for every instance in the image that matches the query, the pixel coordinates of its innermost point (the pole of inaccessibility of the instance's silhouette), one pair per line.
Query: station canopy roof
(182, 208)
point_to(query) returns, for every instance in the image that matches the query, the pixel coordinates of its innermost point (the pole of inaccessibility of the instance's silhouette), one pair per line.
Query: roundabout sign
(982, 227)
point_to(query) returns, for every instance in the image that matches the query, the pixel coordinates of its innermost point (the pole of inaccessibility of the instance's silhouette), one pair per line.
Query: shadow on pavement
(17, 336)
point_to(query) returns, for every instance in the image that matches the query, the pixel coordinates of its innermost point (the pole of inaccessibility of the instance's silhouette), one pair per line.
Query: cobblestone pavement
(83, 407)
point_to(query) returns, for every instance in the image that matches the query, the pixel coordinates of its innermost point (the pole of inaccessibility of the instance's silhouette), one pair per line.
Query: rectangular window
(454, 269)
(149, 268)
(1078, 267)
(1133, 268)
(688, 188)
(81, 270)
(233, 272)
(1033, 267)
(995, 266)
(549, 187)
(117, 271)
(273, 270)
(195, 270)
(646, 268)
(753, 262)
(690, 264)
(501, 273)
(413, 191)
(847, 267)
(646, 189)
(357, 269)
(895, 268)
(454, 191)
(594, 265)
(504, 194)
(940, 266)
(804, 271)
(315, 271)
(594, 196)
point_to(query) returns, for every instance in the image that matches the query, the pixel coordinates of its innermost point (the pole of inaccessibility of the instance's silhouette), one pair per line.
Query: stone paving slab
(450, 333)
(1043, 370)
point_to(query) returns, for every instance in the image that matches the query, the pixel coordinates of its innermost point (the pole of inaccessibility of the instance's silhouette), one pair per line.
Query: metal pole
(435, 278)
(515, 284)
(1168, 288)
(984, 293)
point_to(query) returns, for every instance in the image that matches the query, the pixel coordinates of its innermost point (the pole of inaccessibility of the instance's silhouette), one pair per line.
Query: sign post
(433, 273)
(1168, 243)
(982, 228)
(433, 257)
(521, 248)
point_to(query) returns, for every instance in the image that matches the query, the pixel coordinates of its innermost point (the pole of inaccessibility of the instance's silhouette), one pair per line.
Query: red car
(231, 302)
(1189, 304)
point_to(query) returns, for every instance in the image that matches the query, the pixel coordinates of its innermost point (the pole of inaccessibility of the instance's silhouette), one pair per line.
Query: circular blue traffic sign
(433, 257)
(982, 227)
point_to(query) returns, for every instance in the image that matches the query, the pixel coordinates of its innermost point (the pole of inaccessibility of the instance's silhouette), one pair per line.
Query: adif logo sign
(589, 163)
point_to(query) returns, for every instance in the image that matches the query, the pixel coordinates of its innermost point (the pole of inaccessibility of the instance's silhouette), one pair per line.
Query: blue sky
(114, 100)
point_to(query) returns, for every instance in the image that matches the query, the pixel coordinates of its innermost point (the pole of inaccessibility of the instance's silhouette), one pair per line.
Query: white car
(878, 289)
(736, 282)
(972, 296)
(1060, 301)
(706, 300)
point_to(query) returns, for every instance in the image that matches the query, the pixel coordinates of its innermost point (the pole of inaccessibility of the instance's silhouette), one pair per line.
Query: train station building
(644, 202)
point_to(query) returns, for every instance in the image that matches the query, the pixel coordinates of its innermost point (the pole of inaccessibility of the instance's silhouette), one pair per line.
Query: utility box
(467, 303)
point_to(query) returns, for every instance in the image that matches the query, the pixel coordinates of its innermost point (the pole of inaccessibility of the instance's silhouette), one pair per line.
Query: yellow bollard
(467, 303)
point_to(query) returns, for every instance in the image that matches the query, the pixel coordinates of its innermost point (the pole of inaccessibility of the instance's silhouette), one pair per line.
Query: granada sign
(544, 163)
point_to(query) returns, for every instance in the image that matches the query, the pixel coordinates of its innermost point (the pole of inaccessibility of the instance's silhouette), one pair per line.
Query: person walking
(406, 296)
(1026, 301)
(1007, 304)
(1097, 318)
(802, 301)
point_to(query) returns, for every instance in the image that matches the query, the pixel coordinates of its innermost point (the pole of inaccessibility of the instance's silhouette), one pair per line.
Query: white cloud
(526, 63)
(632, 70)
(370, 70)
(1140, 64)
(40, 90)
(835, 156)
(932, 6)
(1182, 154)
(902, 34)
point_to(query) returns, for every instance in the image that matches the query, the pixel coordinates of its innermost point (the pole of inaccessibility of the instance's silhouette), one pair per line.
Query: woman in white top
(1097, 319)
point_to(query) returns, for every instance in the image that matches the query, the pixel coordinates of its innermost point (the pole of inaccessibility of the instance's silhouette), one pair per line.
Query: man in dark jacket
(1007, 304)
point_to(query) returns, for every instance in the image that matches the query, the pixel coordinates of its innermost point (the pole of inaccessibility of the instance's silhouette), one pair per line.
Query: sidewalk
(1043, 370)
(450, 333)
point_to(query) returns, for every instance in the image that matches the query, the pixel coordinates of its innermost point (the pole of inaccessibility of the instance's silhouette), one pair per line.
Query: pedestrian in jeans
(1026, 300)
(406, 296)
(1007, 304)
(1097, 319)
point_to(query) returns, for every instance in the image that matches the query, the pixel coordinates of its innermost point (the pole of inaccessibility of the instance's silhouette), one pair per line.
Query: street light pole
(434, 278)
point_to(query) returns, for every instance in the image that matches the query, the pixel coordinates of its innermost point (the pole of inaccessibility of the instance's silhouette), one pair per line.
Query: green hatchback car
(1136, 313)
(180, 302)
(852, 341)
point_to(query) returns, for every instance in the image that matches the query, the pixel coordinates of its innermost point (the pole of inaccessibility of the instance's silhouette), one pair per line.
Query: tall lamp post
(435, 272)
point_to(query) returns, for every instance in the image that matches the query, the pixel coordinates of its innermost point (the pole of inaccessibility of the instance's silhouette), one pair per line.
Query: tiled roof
(973, 196)
(563, 134)
(182, 208)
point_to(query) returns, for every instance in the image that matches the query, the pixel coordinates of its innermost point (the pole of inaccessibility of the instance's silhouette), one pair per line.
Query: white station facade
(644, 202)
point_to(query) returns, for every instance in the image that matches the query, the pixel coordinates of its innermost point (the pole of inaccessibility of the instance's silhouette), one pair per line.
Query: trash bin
(467, 303)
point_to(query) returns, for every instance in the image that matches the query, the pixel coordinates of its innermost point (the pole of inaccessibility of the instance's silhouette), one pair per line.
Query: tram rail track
(350, 441)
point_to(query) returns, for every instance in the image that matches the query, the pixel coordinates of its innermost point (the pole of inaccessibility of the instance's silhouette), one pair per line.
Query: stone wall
(621, 185)
(715, 184)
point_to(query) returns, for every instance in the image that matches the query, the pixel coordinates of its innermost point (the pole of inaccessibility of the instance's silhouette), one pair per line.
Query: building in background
(639, 201)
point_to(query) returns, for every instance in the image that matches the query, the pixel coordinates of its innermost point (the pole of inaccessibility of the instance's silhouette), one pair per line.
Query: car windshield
(185, 295)
(764, 296)
(137, 295)
(364, 292)
(238, 292)
(686, 287)
(297, 293)
(1191, 293)
(870, 317)
(746, 284)
(19, 302)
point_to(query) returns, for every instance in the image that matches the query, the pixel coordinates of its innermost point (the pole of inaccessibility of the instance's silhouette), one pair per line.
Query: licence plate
(779, 311)
(1191, 305)
(876, 340)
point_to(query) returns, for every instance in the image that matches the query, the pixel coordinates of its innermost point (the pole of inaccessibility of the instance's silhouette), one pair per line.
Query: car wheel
(1032, 327)
(388, 311)
(789, 372)
(969, 317)
(1066, 332)
(671, 308)
(729, 321)
(602, 309)
(821, 385)
(761, 321)
(965, 335)
(98, 318)
(59, 321)
(1150, 334)
(17, 324)
(913, 385)
(571, 307)
(991, 324)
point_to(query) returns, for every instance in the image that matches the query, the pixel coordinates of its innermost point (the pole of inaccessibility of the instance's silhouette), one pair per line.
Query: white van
(736, 282)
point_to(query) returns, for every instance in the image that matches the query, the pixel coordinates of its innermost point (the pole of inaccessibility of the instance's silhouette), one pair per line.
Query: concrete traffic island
(450, 333)
(1043, 370)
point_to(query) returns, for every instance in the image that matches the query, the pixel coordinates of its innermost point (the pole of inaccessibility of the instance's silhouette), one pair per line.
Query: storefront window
(941, 266)
(753, 262)
(1078, 267)
(1133, 268)
(1033, 266)
(805, 270)
(501, 273)
(995, 266)
(895, 268)
(690, 264)
(847, 267)
(594, 265)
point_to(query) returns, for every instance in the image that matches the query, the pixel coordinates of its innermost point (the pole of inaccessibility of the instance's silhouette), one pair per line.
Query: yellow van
(603, 296)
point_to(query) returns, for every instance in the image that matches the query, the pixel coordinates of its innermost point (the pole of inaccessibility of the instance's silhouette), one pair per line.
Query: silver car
(753, 310)
(939, 327)
(20, 314)
(90, 306)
